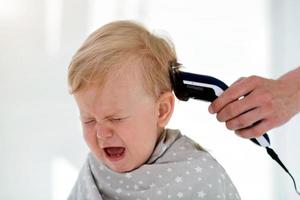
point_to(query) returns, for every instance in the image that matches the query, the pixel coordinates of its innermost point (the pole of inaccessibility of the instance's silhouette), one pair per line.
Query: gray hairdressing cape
(177, 169)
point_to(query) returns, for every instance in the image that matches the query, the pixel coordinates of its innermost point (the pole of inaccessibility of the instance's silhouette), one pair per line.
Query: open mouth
(114, 153)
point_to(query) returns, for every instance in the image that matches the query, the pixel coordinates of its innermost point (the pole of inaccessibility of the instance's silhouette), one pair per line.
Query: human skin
(122, 115)
(254, 105)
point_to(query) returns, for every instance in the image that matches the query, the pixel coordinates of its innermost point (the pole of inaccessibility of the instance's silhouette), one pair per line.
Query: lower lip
(115, 158)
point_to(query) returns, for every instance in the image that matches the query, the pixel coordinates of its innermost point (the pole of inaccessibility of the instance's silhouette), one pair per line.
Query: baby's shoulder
(204, 170)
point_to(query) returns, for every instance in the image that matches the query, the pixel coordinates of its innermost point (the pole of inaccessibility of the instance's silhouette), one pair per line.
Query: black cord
(275, 157)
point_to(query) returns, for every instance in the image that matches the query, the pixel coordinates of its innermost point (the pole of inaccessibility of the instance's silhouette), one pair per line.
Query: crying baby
(120, 80)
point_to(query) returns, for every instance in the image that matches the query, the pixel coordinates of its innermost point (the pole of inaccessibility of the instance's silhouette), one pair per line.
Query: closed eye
(117, 119)
(89, 121)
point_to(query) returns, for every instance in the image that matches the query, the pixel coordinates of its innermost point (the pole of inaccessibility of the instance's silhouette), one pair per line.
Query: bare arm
(252, 106)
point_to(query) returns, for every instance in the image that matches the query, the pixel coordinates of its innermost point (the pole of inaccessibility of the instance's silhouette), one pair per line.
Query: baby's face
(120, 121)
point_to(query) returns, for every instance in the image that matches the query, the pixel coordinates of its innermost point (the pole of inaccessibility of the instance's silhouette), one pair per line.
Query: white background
(41, 147)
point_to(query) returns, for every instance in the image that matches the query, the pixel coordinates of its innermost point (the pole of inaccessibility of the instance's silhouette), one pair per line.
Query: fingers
(237, 108)
(256, 130)
(241, 78)
(247, 112)
(240, 88)
(254, 105)
(247, 106)
(246, 120)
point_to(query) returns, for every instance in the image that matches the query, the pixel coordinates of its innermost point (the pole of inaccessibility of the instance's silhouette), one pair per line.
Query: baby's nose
(103, 132)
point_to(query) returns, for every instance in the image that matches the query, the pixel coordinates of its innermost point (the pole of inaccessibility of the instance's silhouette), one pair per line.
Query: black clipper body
(201, 87)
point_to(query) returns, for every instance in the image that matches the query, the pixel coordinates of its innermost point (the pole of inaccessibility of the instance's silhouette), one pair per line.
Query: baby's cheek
(145, 148)
(90, 138)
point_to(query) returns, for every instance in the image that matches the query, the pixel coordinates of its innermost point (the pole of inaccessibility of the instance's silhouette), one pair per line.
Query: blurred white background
(41, 147)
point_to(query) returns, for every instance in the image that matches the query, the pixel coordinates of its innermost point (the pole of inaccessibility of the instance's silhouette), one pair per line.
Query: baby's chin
(123, 167)
(120, 166)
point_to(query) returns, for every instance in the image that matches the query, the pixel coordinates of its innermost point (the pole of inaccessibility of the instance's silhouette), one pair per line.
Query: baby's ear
(165, 105)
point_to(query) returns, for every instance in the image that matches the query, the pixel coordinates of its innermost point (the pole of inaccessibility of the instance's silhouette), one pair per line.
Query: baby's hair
(113, 44)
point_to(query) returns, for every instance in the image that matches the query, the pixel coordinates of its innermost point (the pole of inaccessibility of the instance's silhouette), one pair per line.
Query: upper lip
(109, 146)
(104, 145)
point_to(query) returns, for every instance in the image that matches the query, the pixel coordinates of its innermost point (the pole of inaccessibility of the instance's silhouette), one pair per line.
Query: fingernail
(211, 110)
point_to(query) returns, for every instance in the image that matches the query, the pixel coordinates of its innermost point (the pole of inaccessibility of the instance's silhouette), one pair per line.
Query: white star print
(152, 185)
(198, 169)
(178, 179)
(158, 192)
(108, 177)
(180, 195)
(169, 169)
(136, 187)
(119, 190)
(222, 176)
(159, 176)
(210, 185)
(128, 175)
(140, 182)
(187, 173)
(169, 196)
(121, 182)
(201, 194)
(190, 188)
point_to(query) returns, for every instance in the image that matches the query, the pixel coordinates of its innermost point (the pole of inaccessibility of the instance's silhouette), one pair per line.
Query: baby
(121, 84)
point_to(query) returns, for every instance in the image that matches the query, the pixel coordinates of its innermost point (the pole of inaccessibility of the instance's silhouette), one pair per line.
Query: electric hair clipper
(201, 87)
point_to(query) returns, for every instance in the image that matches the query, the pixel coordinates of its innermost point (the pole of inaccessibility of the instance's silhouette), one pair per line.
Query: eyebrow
(114, 114)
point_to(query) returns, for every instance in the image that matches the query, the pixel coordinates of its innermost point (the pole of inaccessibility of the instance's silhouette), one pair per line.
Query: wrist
(298, 94)
(292, 78)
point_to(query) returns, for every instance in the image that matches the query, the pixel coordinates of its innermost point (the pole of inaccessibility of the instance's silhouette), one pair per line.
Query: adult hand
(254, 105)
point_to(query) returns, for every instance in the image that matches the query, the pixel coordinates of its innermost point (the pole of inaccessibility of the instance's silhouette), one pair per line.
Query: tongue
(115, 150)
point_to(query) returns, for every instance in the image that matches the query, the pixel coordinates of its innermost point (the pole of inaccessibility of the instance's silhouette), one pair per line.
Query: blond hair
(112, 44)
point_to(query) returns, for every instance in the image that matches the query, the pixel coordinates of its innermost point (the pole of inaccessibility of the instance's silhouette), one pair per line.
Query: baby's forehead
(125, 75)
(128, 68)
(128, 75)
